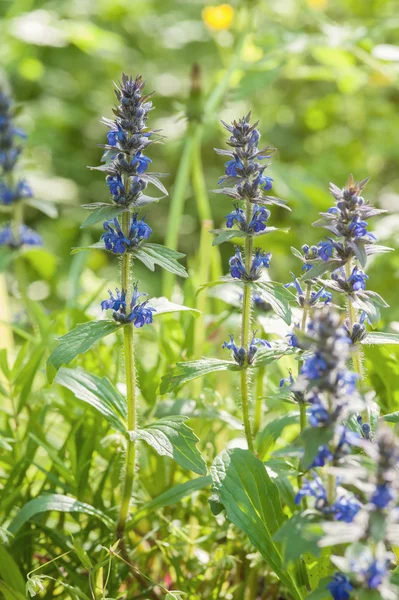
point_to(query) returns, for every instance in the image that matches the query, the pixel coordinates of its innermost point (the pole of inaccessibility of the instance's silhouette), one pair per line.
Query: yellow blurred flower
(218, 17)
(320, 4)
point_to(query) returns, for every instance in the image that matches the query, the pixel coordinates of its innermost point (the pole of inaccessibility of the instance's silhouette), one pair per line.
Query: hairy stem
(260, 376)
(357, 353)
(245, 333)
(130, 389)
(302, 407)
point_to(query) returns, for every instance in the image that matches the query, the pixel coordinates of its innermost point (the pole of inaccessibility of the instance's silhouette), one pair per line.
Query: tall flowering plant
(247, 184)
(126, 234)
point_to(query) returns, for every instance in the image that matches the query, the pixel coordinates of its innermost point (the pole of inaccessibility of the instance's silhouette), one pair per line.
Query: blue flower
(116, 135)
(27, 237)
(239, 354)
(116, 303)
(295, 284)
(318, 415)
(259, 219)
(323, 455)
(142, 162)
(357, 279)
(259, 261)
(375, 574)
(118, 192)
(254, 139)
(345, 509)
(140, 314)
(326, 249)
(236, 216)
(314, 367)
(313, 488)
(287, 380)
(114, 238)
(9, 195)
(359, 229)
(266, 182)
(293, 339)
(232, 166)
(340, 587)
(382, 496)
(253, 347)
(322, 294)
(237, 267)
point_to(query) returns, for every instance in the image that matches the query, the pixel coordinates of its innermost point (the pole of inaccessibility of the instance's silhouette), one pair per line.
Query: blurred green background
(321, 75)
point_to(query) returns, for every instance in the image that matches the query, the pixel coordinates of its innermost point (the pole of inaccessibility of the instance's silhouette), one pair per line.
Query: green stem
(177, 203)
(130, 372)
(260, 376)
(245, 333)
(357, 354)
(302, 407)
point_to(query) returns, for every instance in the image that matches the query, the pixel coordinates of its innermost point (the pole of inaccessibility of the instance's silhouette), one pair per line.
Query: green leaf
(173, 438)
(319, 269)
(392, 417)
(57, 502)
(297, 539)
(6, 257)
(277, 296)
(96, 391)
(76, 342)
(378, 337)
(171, 497)
(97, 246)
(82, 554)
(103, 213)
(163, 307)
(47, 208)
(10, 572)
(269, 435)
(252, 502)
(311, 439)
(155, 254)
(266, 356)
(10, 593)
(226, 235)
(193, 369)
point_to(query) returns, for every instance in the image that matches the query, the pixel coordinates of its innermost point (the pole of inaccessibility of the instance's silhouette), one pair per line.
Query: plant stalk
(130, 372)
(260, 376)
(245, 333)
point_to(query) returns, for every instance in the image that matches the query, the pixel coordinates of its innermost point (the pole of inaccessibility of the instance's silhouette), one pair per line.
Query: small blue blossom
(313, 488)
(140, 314)
(318, 414)
(142, 162)
(259, 261)
(375, 574)
(117, 242)
(326, 249)
(239, 354)
(357, 279)
(382, 496)
(253, 346)
(314, 367)
(236, 216)
(287, 380)
(359, 229)
(232, 166)
(295, 284)
(345, 509)
(340, 587)
(266, 183)
(114, 238)
(259, 219)
(292, 339)
(323, 455)
(116, 135)
(27, 237)
(322, 295)
(9, 195)
(237, 267)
